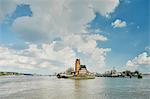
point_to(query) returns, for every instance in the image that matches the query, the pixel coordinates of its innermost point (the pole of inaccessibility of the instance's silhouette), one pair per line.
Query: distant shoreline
(13, 73)
(2, 73)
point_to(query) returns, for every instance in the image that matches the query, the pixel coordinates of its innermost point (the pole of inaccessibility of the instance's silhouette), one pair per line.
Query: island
(78, 72)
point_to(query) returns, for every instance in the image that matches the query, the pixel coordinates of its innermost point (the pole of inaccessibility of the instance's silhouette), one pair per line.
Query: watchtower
(77, 66)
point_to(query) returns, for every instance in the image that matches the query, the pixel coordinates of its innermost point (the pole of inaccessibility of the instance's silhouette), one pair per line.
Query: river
(45, 87)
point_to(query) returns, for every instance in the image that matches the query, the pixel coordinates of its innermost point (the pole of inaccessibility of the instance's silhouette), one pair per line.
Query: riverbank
(17, 74)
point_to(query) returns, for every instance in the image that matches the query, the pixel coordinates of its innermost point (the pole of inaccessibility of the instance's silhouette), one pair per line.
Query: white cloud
(104, 7)
(55, 18)
(46, 56)
(83, 43)
(147, 48)
(6, 10)
(119, 23)
(92, 55)
(141, 59)
(35, 57)
(63, 19)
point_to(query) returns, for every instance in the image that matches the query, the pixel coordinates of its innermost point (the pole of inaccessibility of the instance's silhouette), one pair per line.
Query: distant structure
(83, 70)
(80, 69)
(77, 66)
(78, 72)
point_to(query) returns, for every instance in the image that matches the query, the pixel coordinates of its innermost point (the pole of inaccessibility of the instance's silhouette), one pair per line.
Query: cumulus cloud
(46, 56)
(57, 55)
(62, 22)
(104, 7)
(118, 23)
(147, 48)
(83, 43)
(6, 10)
(35, 57)
(55, 18)
(141, 59)
(92, 55)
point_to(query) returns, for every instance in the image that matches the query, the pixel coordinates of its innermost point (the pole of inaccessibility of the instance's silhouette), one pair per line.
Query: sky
(46, 36)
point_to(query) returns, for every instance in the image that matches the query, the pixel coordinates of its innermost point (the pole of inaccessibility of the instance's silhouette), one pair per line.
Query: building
(77, 66)
(80, 69)
(83, 70)
(79, 72)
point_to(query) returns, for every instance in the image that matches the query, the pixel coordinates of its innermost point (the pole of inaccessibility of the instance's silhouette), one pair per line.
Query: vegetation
(12, 73)
(114, 73)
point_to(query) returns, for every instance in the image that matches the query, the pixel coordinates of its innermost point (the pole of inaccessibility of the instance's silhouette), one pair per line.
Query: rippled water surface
(44, 87)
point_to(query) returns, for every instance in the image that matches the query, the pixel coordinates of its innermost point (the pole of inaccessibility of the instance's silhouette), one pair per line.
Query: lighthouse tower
(77, 66)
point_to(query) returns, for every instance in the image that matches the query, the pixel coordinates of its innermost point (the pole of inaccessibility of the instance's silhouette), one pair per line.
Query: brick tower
(77, 66)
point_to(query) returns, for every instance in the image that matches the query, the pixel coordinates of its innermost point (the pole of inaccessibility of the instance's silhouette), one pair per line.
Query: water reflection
(77, 84)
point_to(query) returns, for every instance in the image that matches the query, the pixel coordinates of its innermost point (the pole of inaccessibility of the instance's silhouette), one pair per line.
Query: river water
(45, 87)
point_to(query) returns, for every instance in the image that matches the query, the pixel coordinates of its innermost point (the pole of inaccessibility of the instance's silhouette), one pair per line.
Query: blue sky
(128, 41)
